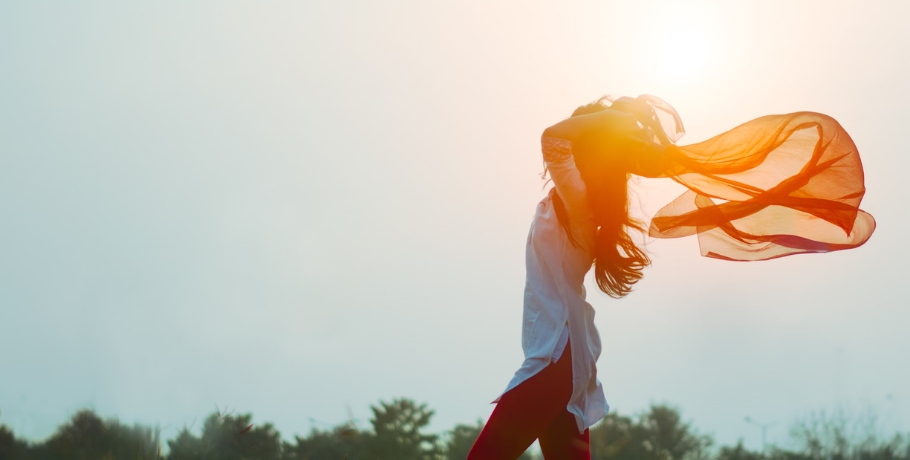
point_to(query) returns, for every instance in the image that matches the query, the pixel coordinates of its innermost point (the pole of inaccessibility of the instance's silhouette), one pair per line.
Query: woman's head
(618, 261)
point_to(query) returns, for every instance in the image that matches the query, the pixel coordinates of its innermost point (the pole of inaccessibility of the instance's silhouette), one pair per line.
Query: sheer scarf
(774, 186)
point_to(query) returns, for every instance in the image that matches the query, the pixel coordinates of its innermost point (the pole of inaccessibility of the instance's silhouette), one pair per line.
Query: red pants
(535, 409)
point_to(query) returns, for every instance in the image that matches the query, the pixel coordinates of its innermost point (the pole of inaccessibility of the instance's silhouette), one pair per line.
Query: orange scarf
(774, 186)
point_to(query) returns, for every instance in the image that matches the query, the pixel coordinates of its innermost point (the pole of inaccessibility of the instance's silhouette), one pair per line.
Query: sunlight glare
(684, 49)
(682, 53)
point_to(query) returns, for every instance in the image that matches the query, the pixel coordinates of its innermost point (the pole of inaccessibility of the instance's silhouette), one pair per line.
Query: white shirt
(555, 310)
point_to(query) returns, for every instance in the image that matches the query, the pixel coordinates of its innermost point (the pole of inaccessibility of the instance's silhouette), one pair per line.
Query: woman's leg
(561, 440)
(525, 412)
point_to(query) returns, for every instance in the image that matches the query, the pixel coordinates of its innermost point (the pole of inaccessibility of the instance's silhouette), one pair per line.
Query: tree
(846, 436)
(228, 437)
(10, 447)
(461, 439)
(657, 435)
(344, 442)
(88, 436)
(397, 431)
(738, 452)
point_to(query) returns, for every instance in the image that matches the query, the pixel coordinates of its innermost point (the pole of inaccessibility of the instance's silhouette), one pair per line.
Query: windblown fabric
(774, 186)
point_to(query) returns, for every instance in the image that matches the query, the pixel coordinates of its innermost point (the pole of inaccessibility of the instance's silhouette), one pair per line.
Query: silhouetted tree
(228, 437)
(10, 447)
(87, 436)
(738, 452)
(344, 442)
(840, 436)
(461, 439)
(186, 446)
(398, 435)
(657, 435)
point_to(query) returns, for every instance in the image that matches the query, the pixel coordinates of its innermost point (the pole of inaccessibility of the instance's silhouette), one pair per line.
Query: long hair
(618, 261)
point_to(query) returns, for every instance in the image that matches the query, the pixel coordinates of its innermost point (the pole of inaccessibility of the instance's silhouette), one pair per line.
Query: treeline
(398, 432)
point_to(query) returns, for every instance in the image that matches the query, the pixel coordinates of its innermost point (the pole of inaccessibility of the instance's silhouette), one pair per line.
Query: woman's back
(555, 310)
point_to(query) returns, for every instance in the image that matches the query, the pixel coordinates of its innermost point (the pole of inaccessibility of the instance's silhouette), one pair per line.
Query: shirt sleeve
(557, 154)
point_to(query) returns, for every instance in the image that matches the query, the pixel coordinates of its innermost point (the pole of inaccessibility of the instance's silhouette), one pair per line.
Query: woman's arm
(611, 132)
(598, 130)
(557, 154)
(605, 131)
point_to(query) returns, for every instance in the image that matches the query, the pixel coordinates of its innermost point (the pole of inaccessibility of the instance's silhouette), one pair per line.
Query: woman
(801, 170)
(555, 395)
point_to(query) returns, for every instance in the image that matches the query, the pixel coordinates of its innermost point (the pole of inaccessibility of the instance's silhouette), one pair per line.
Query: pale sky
(289, 208)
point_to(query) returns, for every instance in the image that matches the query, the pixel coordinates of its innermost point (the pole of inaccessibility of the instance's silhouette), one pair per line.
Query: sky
(298, 209)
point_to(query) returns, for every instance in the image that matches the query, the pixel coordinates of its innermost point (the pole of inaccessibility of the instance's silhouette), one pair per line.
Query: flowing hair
(618, 261)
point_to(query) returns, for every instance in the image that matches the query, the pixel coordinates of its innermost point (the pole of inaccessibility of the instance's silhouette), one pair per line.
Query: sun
(683, 53)
(681, 48)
